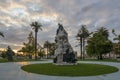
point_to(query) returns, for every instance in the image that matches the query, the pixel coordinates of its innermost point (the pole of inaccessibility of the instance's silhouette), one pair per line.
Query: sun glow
(3, 49)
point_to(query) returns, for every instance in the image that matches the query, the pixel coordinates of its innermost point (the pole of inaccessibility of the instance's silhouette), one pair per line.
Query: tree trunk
(83, 48)
(47, 53)
(100, 57)
(35, 45)
(109, 55)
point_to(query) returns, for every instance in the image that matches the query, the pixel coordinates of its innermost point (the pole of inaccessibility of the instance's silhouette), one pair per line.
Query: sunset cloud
(16, 16)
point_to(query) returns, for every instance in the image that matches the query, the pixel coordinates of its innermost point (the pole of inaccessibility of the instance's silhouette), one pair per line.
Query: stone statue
(64, 53)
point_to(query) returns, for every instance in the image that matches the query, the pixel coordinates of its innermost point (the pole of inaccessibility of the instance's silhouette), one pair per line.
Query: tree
(79, 38)
(82, 34)
(116, 48)
(36, 26)
(52, 49)
(28, 47)
(99, 43)
(3, 54)
(47, 46)
(10, 53)
(41, 52)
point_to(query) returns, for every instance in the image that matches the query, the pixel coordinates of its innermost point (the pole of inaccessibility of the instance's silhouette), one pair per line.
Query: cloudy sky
(16, 15)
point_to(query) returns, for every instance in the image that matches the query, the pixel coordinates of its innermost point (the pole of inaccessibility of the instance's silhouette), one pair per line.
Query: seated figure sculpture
(64, 53)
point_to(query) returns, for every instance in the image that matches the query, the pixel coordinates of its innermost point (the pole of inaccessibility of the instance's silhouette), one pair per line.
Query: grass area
(27, 60)
(104, 60)
(5, 60)
(22, 60)
(70, 70)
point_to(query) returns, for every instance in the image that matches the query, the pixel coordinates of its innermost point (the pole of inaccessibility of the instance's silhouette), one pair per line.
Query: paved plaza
(12, 71)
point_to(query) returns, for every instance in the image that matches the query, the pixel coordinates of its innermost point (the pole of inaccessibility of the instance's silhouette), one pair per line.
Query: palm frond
(36, 25)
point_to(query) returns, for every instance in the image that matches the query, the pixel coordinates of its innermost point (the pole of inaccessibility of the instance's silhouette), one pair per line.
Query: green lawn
(27, 60)
(104, 60)
(5, 60)
(71, 70)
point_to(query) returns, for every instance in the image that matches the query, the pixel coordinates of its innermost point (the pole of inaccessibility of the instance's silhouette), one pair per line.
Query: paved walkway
(12, 71)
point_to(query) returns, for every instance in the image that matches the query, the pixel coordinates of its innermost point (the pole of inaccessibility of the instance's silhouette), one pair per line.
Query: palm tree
(85, 34)
(103, 31)
(80, 43)
(102, 35)
(36, 26)
(82, 35)
(1, 34)
(99, 44)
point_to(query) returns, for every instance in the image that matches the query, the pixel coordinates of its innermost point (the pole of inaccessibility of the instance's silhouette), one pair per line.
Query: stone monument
(64, 54)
